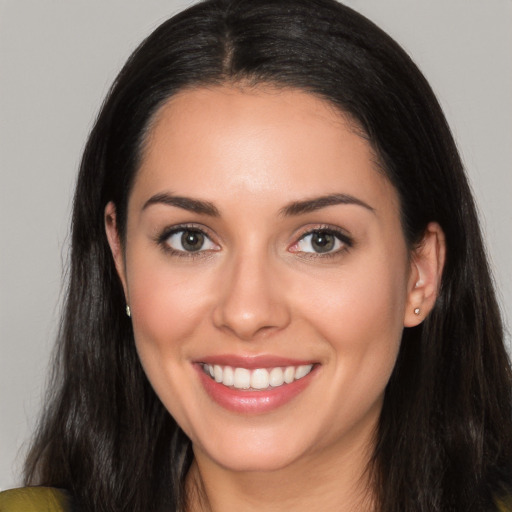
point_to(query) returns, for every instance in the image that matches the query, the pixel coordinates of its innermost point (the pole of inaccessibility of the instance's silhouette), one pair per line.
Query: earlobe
(427, 262)
(114, 242)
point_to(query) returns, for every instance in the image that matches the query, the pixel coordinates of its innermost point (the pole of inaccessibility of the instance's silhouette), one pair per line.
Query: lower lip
(253, 402)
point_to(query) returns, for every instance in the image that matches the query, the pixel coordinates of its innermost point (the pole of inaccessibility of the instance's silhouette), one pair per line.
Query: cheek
(168, 306)
(360, 317)
(168, 311)
(360, 314)
(364, 297)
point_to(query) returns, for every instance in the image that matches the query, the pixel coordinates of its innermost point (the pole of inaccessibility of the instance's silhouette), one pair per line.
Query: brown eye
(192, 240)
(188, 240)
(322, 241)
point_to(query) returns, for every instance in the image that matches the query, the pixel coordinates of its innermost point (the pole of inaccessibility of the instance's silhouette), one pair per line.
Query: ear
(427, 262)
(114, 242)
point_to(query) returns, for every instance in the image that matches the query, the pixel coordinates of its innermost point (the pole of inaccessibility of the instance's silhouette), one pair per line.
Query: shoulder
(34, 499)
(504, 504)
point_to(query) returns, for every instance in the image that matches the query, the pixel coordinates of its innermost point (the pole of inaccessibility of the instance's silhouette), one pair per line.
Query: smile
(255, 379)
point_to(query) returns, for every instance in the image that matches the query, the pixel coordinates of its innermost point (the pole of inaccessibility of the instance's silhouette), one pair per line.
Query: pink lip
(253, 402)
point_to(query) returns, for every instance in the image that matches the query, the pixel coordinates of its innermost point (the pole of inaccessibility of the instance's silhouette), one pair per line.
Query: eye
(322, 241)
(188, 240)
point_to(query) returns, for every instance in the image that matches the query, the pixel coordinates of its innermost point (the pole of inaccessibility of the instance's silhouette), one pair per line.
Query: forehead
(270, 142)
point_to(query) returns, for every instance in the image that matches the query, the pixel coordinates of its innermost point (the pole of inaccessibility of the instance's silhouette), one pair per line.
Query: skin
(259, 288)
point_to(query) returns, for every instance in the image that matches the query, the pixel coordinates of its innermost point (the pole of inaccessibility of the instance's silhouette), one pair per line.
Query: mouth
(255, 385)
(257, 379)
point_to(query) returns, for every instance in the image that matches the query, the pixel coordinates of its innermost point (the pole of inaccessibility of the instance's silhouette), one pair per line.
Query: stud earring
(416, 311)
(128, 312)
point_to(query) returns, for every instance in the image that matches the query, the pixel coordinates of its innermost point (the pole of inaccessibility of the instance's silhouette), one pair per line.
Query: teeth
(242, 378)
(276, 377)
(302, 371)
(228, 376)
(289, 374)
(260, 378)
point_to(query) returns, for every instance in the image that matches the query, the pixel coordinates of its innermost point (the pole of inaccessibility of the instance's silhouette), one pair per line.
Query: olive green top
(504, 504)
(34, 499)
(49, 499)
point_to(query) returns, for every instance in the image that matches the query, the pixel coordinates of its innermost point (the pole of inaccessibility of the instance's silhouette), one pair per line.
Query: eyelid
(162, 238)
(343, 237)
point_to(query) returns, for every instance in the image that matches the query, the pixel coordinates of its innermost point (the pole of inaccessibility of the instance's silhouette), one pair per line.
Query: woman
(278, 294)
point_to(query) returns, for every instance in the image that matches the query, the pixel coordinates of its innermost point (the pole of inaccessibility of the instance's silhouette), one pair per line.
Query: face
(267, 275)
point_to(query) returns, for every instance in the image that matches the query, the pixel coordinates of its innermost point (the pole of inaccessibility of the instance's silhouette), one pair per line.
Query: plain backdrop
(57, 60)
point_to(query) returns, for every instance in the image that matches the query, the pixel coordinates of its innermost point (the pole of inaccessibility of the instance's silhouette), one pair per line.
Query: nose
(251, 302)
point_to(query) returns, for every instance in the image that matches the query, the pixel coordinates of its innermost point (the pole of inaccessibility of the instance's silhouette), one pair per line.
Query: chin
(241, 461)
(251, 452)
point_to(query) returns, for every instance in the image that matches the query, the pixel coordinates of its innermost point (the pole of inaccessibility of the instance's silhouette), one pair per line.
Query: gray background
(57, 60)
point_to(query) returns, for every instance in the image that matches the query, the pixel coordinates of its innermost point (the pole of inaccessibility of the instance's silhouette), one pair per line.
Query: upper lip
(252, 362)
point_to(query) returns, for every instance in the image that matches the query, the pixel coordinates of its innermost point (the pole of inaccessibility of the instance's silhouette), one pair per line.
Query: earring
(128, 312)
(417, 311)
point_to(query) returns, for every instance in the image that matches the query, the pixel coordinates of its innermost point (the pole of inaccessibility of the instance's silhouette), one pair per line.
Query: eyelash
(162, 240)
(346, 241)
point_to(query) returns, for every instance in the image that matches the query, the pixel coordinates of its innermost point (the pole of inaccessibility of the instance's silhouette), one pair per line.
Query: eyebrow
(186, 203)
(317, 203)
(292, 209)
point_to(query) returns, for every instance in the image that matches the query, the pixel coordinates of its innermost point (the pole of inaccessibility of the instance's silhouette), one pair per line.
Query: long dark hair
(444, 440)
